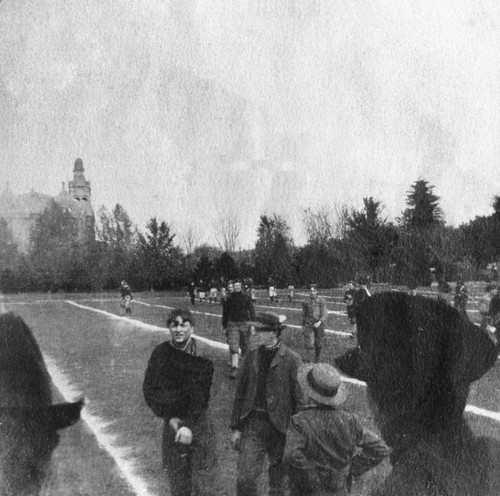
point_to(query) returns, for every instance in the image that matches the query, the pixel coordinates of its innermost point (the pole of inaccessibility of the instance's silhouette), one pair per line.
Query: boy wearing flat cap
(325, 445)
(267, 395)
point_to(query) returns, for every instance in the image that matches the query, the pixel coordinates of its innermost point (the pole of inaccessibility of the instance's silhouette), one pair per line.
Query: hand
(316, 326)
(235, 440)
(184, 436)
(175, 423)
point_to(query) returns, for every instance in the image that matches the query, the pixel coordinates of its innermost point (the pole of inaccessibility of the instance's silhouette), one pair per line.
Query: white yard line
(149, 327)
(328, 331)
(123, 457)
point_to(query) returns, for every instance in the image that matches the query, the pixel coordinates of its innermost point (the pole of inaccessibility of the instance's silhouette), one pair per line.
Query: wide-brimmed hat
(322, 383)
(268, 321)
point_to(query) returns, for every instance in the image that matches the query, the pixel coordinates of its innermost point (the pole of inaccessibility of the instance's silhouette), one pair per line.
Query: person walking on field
(272, 289)
(349, 301)
(314, 317)
(126, 295)
(326, 446)
(192, 292)
(237, 310)
(361, 294)
(267, 395)
(461, 297)
(177, 388)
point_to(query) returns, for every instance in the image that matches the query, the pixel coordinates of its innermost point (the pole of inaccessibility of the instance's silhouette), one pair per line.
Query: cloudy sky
(184, 109)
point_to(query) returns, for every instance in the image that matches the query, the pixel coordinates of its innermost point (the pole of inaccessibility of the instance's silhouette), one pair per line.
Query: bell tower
(79, 188)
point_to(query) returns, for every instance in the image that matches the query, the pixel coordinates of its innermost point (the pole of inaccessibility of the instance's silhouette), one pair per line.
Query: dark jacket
(126, 291)
(283, 393)
(325, 447)
(177, 383)
(237, 307)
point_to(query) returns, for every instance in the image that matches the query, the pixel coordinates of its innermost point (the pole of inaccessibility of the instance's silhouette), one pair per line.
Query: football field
(95, 352)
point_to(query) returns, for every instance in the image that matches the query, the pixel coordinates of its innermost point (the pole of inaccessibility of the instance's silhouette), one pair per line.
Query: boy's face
(313, 293)
(181, 330)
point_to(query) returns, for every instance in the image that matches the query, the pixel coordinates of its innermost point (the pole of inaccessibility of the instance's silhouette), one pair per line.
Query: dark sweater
(238, 307)
(177, 383)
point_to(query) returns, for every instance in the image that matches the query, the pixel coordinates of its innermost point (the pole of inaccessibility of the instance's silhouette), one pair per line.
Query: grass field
(93, 351)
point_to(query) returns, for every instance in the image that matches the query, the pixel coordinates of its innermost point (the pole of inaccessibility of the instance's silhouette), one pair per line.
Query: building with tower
(22, 211)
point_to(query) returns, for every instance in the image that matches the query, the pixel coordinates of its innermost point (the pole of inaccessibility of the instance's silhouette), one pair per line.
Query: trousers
(237, 337)
(191, 470)
(313, 339)
(260, 438)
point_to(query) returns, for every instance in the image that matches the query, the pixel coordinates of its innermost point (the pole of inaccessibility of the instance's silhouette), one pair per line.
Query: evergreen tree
(274, 251)
(423, 209)
(225, 266)
(371, 237)
(118, 240)
(156, 254)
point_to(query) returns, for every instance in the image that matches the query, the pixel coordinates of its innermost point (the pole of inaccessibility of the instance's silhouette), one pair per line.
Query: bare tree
(189, 241)
(319, 225)
(227, 229)
(325, 223)
(341, 215)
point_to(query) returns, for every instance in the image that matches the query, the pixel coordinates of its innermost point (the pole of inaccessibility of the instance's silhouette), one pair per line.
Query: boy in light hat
(325, 445)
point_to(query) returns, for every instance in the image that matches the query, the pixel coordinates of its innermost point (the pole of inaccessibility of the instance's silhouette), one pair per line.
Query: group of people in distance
(238, 309)
(283, 409)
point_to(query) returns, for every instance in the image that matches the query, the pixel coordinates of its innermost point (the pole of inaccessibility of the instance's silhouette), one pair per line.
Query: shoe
(233, 373)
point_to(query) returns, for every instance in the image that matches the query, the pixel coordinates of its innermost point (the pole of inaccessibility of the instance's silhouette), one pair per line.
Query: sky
(189, 109)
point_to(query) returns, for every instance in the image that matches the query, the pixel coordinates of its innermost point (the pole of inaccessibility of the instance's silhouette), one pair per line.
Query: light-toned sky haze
(183, 109)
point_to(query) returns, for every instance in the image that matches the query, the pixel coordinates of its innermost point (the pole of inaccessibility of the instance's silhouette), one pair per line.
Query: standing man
(272, 289)
(326, 446)
(267, 395)
(126, 293)
(177, 388)
(349, 301)
(237, 311)
(314, 317)
(192, 292)
(360, 295)
(212, 295)
(461, 297)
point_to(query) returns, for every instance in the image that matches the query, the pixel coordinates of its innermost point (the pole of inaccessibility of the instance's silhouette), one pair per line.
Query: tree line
(341, 245)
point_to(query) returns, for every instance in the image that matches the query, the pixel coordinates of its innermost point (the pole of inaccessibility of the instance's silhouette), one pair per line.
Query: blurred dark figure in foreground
(28, 420)
(326, 446)
(419, 357)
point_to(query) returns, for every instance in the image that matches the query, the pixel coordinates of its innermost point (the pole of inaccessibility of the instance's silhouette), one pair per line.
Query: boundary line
(127, 468)
(328, 331)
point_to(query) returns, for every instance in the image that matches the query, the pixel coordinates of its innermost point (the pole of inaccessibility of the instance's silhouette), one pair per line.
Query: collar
(273, 348)
(189, 347)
